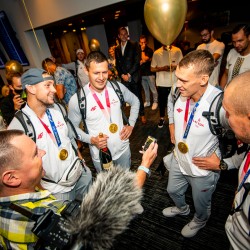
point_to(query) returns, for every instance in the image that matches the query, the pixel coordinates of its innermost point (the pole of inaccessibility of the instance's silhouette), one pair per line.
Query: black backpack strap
(176, 95)
(76, 75)
(26, 124)
(118, 91)
(246, 192)
(82, 102)
(213, 115)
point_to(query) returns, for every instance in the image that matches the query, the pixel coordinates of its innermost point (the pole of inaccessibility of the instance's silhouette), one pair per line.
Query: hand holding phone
(149, 140)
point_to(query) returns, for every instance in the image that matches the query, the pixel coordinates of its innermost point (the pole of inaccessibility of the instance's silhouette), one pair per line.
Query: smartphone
(149, 140)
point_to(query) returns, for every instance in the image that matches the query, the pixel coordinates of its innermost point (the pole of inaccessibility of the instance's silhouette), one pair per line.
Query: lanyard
(107, 114)
(54, 137)
(188, 124)
(186, 114)
(246, 166)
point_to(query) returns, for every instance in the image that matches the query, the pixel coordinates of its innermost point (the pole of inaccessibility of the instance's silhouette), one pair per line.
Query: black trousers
(163, 93)
(135, 88)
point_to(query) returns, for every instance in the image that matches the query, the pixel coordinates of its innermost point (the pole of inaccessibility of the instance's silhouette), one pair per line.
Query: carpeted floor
(151, 230)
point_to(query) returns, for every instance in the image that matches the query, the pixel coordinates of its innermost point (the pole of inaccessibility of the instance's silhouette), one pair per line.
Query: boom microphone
(106, 210)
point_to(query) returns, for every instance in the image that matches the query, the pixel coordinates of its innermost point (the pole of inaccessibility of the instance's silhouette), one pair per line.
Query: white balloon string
(31, 24)
(170, 64)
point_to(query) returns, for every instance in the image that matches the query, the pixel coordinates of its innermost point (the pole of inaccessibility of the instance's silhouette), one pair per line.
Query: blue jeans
(202, 190)
(148, 82)
(81, 188)
(124, 161)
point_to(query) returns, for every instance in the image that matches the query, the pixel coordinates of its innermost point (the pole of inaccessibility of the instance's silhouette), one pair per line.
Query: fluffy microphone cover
(107, 209)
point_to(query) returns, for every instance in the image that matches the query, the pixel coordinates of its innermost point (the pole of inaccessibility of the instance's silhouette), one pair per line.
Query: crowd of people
(48, 171)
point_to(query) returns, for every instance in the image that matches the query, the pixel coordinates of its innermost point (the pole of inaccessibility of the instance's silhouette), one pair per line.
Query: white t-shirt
(162, 58)
(237, 225)
(201, 142)
(53, 166)
(231, 59)
(218, 48)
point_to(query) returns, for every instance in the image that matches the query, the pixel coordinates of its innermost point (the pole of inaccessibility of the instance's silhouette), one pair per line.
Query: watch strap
(146, 170)
(223, 165)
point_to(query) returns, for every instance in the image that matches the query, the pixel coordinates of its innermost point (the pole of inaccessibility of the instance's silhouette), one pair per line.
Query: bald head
(238, 94)
(236, 102)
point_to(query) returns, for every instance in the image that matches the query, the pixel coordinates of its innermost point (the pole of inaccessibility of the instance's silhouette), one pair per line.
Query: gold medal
(63, 154)
(113, 128)
(183, 147)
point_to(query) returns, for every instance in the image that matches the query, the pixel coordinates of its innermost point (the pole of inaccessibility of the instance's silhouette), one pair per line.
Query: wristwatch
(223, 165)
(146, 170)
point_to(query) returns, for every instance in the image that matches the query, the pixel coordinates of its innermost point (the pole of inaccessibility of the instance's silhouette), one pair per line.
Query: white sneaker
(154, 106)
(146, 104)
(192, 228)
(173, 211)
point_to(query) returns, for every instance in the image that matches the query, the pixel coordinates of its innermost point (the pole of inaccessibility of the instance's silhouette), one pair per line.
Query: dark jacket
(130, 61)
(7, 108)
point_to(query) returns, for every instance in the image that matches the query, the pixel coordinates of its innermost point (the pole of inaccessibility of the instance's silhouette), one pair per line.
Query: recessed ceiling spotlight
(74, 30)
(65, 31)
(70, 24)
(118, 11)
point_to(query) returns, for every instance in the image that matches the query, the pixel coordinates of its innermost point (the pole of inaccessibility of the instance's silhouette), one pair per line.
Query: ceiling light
(118, 11)
(70, 24)
(74, 30)
(65, 31)
(117, 15)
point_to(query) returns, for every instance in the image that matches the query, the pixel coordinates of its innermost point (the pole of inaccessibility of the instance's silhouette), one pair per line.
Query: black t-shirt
(145, 67)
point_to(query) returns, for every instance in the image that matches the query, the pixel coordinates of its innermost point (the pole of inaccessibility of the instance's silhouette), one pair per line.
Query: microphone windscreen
(107, 209)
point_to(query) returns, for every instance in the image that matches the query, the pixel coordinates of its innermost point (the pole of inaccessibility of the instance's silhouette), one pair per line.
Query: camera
(149, 140)
(50, 228)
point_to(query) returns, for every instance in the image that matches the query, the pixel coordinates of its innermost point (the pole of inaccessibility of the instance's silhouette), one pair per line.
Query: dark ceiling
(198, 11)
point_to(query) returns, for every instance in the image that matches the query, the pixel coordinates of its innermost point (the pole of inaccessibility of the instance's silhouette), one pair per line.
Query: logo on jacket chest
(198, 123)
(40, 136)
(59, 124)
(114, 101)
(93, 108)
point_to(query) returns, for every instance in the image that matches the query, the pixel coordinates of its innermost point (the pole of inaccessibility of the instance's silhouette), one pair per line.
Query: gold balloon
(165, 18)
(94, 45)
(13, 66)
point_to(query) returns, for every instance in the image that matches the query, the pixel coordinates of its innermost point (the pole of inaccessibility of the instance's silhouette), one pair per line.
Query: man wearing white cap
(78, 68)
